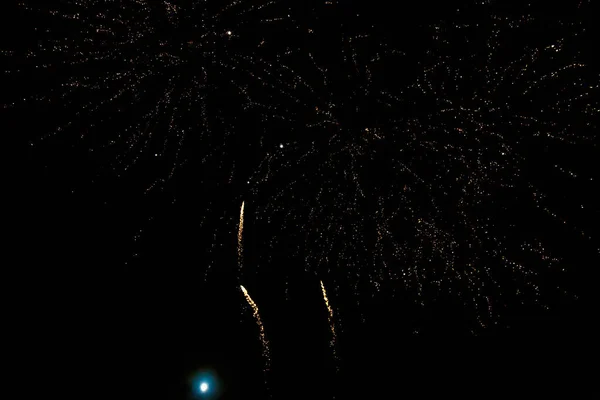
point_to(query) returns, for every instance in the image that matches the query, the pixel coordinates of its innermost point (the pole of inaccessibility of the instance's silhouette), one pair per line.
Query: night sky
(406, 173)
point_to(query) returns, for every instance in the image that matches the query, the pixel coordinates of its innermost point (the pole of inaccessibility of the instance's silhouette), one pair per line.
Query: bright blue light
(205, 385)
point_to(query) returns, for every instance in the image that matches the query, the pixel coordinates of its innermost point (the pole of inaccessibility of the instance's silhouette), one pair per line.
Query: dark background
(138, 291)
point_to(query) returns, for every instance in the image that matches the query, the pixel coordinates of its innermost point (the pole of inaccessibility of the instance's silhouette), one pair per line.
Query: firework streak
(240, 237)
(331, 324)
(263, 337)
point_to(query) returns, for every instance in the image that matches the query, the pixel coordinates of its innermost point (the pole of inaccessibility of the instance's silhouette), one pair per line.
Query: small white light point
(281, 146)
(228, 33)
(203, 387)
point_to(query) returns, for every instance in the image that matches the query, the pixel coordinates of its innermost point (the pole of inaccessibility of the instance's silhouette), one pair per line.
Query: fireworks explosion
(428, 184)
(145, 81)
(453, 163)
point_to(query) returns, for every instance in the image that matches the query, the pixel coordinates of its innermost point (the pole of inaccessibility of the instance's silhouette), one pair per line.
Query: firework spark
(240, 237)
(331, 324)
(429, 180)
(137, 78)
(263, 338)
(426, 181)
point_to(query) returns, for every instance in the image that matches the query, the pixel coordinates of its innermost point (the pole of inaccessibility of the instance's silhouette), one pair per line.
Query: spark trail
(143, 83)
(331, 324)
(263, 338)
(240, 238)
(426, 182)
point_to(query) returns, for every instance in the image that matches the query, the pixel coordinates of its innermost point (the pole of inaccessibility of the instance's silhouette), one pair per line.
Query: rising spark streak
(261, 328)
(331, 323)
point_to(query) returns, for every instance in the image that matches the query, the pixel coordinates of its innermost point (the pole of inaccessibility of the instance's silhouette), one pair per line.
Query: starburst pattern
(427, 184)
(145, 81)
(380, 166)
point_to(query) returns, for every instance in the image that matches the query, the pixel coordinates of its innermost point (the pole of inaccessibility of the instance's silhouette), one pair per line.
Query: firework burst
(405, 170)
(427, 184)
(135, 81)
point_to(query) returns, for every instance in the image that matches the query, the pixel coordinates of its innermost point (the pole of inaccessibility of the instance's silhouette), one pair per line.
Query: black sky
(137, 291)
